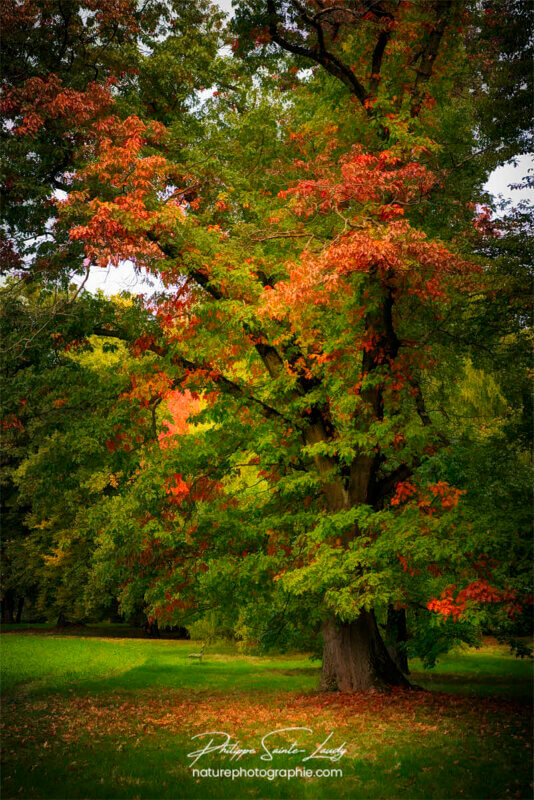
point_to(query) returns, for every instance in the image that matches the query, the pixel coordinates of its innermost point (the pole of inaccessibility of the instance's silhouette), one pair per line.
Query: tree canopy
(319, 420)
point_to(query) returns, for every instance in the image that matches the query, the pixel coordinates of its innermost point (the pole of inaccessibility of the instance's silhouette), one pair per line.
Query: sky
(113, 280)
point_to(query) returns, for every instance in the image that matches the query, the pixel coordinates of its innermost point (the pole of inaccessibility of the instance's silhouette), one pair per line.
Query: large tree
(310, 230)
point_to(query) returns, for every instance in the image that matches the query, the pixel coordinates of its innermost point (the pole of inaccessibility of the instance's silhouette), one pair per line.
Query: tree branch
(321, 56)
(429, 53)
(229, 386)
(376, 62)
(383, 487)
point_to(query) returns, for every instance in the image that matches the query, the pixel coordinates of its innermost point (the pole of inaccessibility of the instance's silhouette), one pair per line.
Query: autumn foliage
(279, 434)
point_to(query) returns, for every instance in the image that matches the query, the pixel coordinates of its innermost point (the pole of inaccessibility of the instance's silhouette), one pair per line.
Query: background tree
(63, 414)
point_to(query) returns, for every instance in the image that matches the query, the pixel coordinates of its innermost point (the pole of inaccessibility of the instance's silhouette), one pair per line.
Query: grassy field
(114, 718)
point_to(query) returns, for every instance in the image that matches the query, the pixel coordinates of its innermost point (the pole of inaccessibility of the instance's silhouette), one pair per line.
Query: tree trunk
(19, 610)
(397, 636)
(61, 620)
(7, 607)
(151, 629)
(355, 658)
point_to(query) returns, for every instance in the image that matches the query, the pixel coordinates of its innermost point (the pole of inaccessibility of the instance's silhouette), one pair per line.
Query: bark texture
(355, 659)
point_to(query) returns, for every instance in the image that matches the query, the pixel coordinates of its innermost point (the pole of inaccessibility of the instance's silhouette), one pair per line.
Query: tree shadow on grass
(484, 685)
(201, 677)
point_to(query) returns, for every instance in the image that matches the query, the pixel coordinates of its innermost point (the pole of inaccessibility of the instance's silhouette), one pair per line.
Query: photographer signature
(223, 743)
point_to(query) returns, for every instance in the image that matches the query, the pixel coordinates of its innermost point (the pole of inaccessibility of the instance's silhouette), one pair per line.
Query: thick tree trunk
(355, 659)
(397, 636)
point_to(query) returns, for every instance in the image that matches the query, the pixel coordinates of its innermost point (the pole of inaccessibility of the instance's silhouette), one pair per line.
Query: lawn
(114, 718)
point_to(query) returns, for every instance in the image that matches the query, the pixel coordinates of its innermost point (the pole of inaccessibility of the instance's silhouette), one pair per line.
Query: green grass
(40, 665)
(488, 671)
(113, 718)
